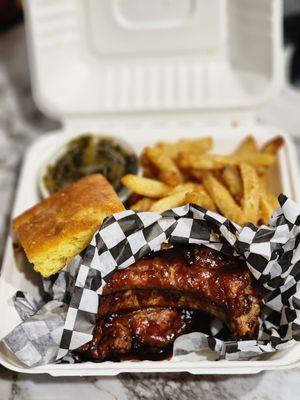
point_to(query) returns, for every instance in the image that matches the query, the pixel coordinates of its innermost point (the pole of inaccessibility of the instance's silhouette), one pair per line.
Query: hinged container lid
(97, 57)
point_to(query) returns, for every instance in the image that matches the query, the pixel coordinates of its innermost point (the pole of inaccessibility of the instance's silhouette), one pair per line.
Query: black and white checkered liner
(271, 252)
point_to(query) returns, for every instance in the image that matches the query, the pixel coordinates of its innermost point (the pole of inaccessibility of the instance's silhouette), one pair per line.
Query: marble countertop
(20, 124)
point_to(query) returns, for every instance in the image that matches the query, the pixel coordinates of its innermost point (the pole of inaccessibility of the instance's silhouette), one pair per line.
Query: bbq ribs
(146, 306)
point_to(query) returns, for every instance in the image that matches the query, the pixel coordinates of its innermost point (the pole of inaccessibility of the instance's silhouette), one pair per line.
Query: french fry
(223, 200)
(186, 187)
(251, 193)
(199, 146)
(143, 204)
(144, 160)
(149, 170)
(148, 173)
(263, 179)
(267, 204)
(262, 172)
(200, 198)
(176, 196)
(217, 174)
(233, 184)
(272, 146)
(256, 159)
(196, 174)
(248, 145)
(233, 181)
(133, 198)
(206, 162)
(167, 170)
(144, 186)
(211, 162)
(174, 200)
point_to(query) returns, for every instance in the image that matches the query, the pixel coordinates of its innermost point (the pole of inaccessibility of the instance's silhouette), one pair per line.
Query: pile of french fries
(187, 172)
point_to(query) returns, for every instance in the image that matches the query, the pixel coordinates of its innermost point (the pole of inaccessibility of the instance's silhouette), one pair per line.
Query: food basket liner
(50, 331)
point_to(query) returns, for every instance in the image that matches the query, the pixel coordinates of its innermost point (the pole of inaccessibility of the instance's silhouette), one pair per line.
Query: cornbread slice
(55, 230)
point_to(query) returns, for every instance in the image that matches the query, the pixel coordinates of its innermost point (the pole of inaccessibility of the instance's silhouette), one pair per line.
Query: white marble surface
(20, 123)
(266, 386)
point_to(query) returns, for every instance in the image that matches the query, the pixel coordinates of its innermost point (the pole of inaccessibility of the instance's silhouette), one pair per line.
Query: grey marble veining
(20, 123)
(266, 386)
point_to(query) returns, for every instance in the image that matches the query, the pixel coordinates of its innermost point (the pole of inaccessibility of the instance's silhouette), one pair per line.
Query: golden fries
(272, 146)
(168, 172)
(248, 145)
(210, 162)
(196, 174)
(267, 204)
(223, 199)
(172, 201)
(205, 162)
(176, 197)
(186, 187)
(148, 169)
(233, 181)
(234, 185)
(145, 186)
(251, 193)
(255, 159)
(198, 146)
(200, 198)
(143, 204)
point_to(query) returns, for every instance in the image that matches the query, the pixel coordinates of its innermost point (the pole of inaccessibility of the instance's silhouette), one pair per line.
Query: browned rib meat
(169, 269)
(223, 281)
(130, 300)
(145, 307)
(141, 332)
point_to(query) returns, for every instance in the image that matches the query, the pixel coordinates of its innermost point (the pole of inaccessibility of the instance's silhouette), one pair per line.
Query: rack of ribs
(146, 306)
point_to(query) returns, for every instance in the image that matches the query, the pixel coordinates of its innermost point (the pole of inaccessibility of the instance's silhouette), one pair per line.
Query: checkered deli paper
(50, 331)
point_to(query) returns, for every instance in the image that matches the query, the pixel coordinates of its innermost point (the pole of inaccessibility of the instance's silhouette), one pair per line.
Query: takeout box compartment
(22, 277)
(126, 68)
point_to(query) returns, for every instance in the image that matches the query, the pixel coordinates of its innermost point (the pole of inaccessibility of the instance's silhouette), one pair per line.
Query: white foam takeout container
(16, 275)
(146, 71)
